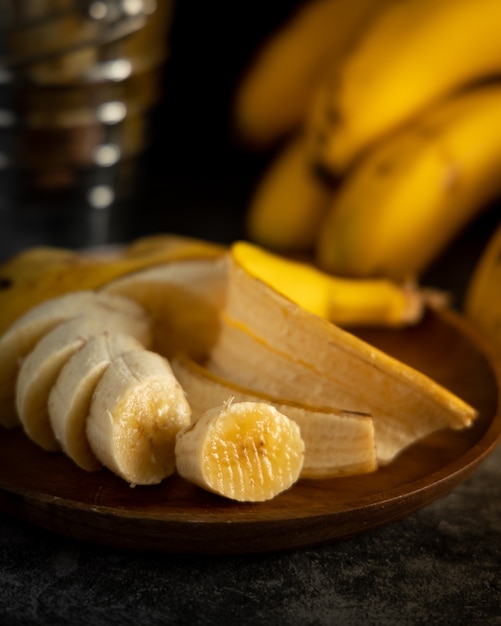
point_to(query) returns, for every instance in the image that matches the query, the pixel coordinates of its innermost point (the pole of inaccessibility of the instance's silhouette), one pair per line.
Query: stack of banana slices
(384, 115)
(209, 366)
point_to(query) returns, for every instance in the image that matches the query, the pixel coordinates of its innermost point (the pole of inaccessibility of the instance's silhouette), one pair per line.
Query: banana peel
(40, 273)
(270, 344)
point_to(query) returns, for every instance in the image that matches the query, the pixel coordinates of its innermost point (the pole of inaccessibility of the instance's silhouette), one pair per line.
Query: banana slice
(137, 410)
(40, 369)
(70, 398)
(20, 338)
(246, 451)
(337, 443)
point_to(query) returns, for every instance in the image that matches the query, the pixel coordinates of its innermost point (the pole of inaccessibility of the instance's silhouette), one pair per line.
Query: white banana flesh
(20, 338)
(246, 451)
(41, 367)
(137, 409)
(70, 398)
(336, 442)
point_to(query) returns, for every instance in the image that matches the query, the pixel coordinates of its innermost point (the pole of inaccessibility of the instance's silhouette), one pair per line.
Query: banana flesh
(246, 451)
(413, 194)
(271, 345)
(336, 442)
(41, 367)
(22, 336)
(71, 396)
(137, 409)
(413, 55)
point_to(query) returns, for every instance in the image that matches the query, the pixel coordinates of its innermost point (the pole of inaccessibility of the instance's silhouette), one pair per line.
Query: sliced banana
(137, 410)
(41, 367)
(245, 451)
(70, 398)
(23, 335)
(336, 442)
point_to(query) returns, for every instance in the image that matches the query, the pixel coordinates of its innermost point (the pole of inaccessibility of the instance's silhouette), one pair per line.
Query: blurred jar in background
(78, 81)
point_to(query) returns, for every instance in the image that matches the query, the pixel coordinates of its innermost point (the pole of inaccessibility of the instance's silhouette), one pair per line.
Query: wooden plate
(48, 490)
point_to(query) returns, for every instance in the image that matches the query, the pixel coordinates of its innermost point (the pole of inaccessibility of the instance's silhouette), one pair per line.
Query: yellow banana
(408, 199)
(414, 54)
(289, 201)
(482, 303)
(246, 451)
(275, 91)
(344, 301)
(269, 344)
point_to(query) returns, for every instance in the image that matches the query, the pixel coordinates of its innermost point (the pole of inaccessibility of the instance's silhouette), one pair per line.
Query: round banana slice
(70, 398)
(245, 451)
(40, 369)
(137, 410)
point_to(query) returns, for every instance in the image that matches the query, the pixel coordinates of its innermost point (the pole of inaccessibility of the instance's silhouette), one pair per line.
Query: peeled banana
(137, 409)
(413, 194)
(246, 451)
(274, 95)
(413, 54)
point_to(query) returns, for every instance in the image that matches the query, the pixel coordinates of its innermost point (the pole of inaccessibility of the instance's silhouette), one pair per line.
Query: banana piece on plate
(41, 367)
(245, 451)
(336, 442)
(70, 398)
(22, 336)
(137, 409)
(270, 344)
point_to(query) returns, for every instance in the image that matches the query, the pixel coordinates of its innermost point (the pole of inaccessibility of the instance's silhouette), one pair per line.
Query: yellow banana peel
(39, 273)
(343, 301)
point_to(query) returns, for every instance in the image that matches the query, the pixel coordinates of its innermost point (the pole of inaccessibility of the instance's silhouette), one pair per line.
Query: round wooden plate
(48, 490)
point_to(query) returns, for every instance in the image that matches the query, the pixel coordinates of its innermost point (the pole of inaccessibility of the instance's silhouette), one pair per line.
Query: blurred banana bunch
(385, 120)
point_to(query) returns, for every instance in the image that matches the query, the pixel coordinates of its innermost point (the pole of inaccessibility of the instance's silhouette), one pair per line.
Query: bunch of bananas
(385, 118)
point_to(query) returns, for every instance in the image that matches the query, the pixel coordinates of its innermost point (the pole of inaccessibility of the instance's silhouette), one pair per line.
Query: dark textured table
(440, 565)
